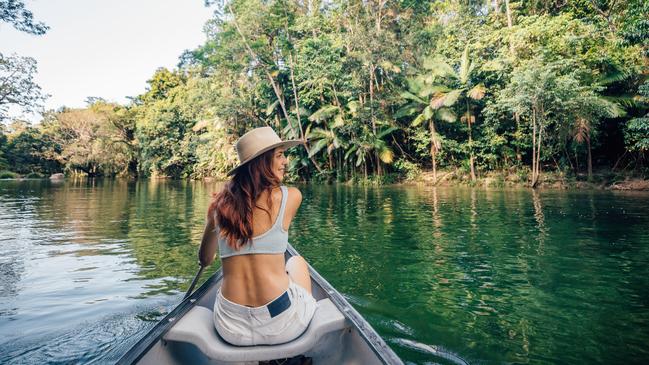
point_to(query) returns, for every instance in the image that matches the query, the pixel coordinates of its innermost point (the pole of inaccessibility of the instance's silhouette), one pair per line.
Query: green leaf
(428, 90)
(271, 108)
(324, 113)
(451, 98)
(613, 110)
(406, 110)
(417, 121)
(339, 121)
(411, 96)
(465, 65)
(352, 106)
(386, 132)
(428, 112)
(350, 151)
(439, 67)
(322, 143)
(446, 114)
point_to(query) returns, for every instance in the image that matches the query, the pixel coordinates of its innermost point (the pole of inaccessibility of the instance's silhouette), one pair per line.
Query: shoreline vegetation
(601, 180)
(499, 93)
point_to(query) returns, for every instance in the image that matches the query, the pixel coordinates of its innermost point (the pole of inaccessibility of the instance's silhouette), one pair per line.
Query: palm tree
(448, 85)
(325, 137)
(418, 94)
(328, 135)
(592, 108)
(366, 143)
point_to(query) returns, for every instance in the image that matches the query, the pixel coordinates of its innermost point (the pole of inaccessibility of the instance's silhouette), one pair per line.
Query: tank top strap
(282, 207)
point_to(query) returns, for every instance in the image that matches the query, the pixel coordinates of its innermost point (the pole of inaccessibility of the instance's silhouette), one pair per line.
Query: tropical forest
(532, 93)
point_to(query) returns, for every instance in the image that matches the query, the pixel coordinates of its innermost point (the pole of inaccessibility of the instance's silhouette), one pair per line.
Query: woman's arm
(292, 205)
(207, 251)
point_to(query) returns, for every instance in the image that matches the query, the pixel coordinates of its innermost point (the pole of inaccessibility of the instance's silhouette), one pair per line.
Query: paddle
(191, 287)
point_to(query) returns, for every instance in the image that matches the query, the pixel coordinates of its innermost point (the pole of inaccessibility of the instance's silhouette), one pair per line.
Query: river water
(445, 275)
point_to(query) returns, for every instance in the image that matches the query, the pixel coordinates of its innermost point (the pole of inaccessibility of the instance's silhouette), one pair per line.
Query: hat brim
(285, 144)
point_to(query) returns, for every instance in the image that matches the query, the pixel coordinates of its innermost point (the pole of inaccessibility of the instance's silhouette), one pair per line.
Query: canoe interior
(357, 343)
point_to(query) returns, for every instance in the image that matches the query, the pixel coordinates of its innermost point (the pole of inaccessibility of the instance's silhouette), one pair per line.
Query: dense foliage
(380, 87)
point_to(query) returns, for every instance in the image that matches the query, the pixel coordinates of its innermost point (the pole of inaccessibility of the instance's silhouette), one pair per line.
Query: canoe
(337, 334)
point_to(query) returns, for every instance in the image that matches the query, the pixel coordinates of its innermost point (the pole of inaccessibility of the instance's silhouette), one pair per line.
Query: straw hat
(258, 141)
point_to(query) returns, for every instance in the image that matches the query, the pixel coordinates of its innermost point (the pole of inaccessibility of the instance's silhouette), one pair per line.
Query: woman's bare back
(257, 279)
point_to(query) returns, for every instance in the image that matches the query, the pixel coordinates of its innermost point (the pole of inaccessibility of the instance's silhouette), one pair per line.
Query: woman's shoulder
(294, 195)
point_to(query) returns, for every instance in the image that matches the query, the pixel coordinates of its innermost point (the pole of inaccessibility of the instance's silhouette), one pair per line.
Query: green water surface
(445, 275)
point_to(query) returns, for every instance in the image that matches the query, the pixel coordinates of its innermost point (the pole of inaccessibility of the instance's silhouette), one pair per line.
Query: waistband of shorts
(274, 307)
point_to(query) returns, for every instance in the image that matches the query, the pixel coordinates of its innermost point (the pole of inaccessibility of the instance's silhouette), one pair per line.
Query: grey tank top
(274, 240)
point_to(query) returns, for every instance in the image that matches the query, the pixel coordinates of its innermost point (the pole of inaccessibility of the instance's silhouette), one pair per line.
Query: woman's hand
(207, 251)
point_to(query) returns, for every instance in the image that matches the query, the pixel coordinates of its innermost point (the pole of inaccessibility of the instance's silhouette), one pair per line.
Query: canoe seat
(196, 327)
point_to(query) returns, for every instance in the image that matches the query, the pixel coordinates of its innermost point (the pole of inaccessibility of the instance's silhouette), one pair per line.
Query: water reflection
(503, 273)
(488, 276)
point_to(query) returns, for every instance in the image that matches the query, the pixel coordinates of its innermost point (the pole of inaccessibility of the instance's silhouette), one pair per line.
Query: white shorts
(281, 320)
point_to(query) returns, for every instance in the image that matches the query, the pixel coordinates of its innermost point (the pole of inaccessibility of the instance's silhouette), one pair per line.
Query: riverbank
(601, 180)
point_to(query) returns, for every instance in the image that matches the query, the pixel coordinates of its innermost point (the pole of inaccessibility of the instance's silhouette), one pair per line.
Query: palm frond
(465, 66)
(581, 130)
(415, 83)
(418, 120)
(406, 110)
(410, 96)
(613, 76)
(271, 107)
(350, 151)
(324, 113)
(626, 101)
(477, 92)
(428, 112)
(317, 147)
(386, 132)
(386, 155)
(446, 114)
(451, 97)
(439, 67)
(428, 90)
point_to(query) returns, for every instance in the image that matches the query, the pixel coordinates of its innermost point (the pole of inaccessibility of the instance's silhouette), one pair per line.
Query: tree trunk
(567, 155)
(510, 24)
(590, 159)
(365, 169)
(433, 150)
(519, 156)
(538, 155)
(509, 14)
(618, 161)
(468, 121)
(533, 181)
(331, 161)
(376, 153)
(339, 165)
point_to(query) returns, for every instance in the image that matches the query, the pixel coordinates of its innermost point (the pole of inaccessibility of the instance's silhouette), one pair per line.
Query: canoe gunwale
(137, 351)
(369, 334)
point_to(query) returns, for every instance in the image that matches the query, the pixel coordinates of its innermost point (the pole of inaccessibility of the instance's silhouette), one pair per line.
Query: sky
(105, 49)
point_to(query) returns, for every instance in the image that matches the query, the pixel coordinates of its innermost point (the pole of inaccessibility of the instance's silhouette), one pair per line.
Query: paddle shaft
(191, 287)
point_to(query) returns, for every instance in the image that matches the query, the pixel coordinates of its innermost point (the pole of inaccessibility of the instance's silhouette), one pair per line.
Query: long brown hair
(232, 207)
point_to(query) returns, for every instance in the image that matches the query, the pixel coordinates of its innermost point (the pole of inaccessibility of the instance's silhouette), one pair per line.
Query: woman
(262, 300)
